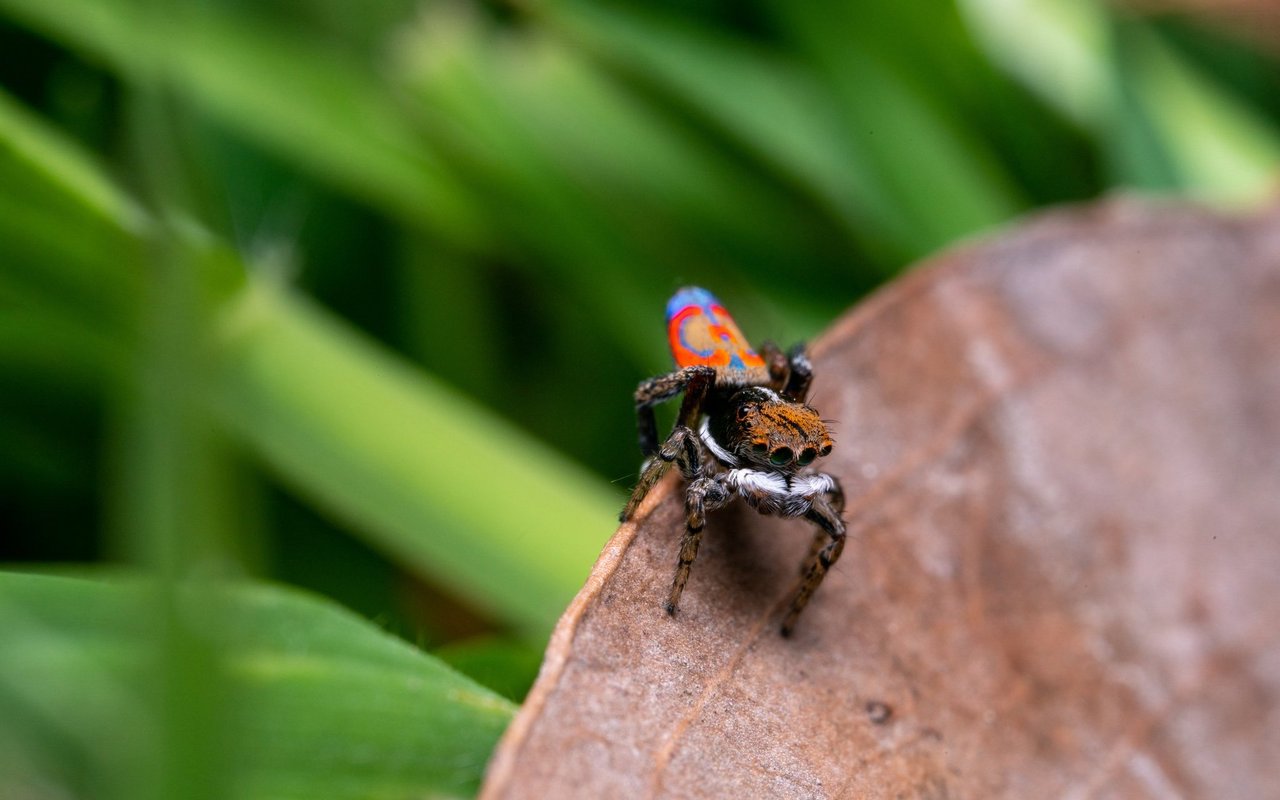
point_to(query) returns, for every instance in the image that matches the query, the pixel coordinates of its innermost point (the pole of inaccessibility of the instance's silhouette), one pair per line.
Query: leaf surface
(1060, 448)
(311, 701)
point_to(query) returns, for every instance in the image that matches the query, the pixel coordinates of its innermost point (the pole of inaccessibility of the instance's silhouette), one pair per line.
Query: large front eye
(807, 456)
(780, 457)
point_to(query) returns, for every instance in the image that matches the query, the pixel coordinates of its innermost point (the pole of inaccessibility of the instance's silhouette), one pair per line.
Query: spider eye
(780, 456)
(825, 451)
(759, 448)
(807, 456)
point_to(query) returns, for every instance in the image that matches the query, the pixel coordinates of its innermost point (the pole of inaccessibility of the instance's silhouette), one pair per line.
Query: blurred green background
(319, 321)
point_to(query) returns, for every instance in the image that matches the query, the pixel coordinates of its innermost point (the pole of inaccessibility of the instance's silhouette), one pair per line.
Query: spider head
(762, 428)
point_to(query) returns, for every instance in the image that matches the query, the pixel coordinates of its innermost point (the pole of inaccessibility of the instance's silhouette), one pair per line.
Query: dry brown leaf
(1061, 448)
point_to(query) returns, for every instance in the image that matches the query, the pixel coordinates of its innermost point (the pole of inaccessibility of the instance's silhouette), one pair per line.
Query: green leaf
(506, 666)
(313, 701)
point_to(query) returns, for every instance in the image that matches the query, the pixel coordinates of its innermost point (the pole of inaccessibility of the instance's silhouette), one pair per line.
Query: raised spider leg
(704, 495)
(789, 373)
(695, 382)
(776, 362)
(801, 375)
(826, 517)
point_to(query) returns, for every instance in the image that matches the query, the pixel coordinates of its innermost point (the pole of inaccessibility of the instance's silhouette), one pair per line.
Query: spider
(743, 430)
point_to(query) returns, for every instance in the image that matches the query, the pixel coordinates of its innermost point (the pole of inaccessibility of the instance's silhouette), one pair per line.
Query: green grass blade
(1057, 48)
(1221, 149)
(425, 475)
(1162, 123)
(31, 145)
(585, 178)
(776, 111)
(316, 702)
(440, 484)
(327, 113)
(938, 175)
(49, 186)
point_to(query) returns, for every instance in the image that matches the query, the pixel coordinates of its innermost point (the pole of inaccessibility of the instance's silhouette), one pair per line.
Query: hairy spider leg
(790, 373)
(835, 498)
(801, 375)
(695, 382)
(775, 361)
(703, 495)
(828, 519)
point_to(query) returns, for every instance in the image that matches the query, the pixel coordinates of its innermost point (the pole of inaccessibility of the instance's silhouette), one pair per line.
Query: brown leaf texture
(1061, 449)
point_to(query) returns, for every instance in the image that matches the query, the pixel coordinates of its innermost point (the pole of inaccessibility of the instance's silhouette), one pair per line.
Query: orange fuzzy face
(774, 433)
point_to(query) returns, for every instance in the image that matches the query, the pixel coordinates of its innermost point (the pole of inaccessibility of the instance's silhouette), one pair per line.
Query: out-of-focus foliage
(298, 697)
(353, 297)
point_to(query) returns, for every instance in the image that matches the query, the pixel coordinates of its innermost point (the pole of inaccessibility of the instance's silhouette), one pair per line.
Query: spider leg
(776, 362)
(824, 515)
(790, 373)
(681, 446)
(695, 382)
(800, 375)
(704, 495)
(835, 498)
(660, 389)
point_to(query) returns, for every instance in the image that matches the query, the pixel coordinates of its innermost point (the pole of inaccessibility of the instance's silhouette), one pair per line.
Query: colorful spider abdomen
(703, 334)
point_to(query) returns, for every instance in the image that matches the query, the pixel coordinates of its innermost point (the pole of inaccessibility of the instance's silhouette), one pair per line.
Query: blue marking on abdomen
(690, 296)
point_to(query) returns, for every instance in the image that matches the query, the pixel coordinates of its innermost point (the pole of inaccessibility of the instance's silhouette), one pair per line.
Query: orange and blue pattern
(703, 334)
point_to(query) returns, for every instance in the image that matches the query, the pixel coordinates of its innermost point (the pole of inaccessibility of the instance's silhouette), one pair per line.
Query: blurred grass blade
(307, 103)
(938, 175)
(1163, 124)
(586, 176)
(448, 489)
(317, 703)
(1058, 48)
(48, 186)
(444, 486)
(32, 145)
(1222, 150)
(775, 110)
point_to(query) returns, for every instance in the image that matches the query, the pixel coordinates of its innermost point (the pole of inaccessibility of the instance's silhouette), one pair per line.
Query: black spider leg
(791, 373)
(835, 498)
(649, 393)
(801, 376)
(775, 361)
(704, 495)
(695, 382)
(825, 516)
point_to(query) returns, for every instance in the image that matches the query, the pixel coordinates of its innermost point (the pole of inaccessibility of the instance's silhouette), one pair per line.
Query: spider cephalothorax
(743, 430)
(760, 427)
